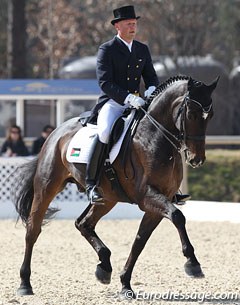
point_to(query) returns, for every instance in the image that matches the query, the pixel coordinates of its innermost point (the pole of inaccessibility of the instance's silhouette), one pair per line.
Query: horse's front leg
(159, 204)
(86, 223)
(192, 266)
(149, 222)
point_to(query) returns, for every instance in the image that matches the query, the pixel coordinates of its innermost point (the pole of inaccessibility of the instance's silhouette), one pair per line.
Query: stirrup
(181, 199)
(94, 196)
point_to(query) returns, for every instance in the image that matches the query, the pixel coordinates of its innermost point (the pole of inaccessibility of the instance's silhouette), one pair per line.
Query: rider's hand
(149, 91)
(134, 101)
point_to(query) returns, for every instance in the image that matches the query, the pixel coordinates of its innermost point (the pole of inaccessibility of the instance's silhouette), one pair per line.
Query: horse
(174, 123)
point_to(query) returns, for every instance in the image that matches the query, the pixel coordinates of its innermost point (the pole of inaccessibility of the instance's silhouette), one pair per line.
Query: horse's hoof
(103, 276)
(25, 291)
(193, 270)
(127, 294)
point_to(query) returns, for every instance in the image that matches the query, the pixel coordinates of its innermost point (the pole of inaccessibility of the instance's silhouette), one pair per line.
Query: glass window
(7, 116)
(37, 114)
(74, 108)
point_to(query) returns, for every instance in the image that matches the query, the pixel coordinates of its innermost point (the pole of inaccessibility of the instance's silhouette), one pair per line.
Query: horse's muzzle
(193, 159)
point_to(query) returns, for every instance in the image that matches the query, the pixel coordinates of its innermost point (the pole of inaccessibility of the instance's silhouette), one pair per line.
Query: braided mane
(165, 85)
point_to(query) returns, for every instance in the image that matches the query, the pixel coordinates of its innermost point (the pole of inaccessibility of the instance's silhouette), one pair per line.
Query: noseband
(182, 137)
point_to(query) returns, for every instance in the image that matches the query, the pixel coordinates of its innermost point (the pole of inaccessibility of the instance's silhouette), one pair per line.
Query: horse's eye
(191, 115)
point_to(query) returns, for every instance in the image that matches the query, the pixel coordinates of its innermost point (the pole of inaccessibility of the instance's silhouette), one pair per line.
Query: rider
(121, 62)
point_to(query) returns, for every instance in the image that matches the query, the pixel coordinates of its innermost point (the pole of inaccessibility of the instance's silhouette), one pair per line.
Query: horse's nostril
(196, 162)
(193, 163)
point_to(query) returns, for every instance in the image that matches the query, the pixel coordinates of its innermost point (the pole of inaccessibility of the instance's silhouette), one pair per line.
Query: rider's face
(127, 29)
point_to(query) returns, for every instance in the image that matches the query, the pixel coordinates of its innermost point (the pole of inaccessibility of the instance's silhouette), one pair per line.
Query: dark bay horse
(175, 121)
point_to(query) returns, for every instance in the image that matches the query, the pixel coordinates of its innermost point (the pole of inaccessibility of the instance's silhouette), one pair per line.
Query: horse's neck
(163, 107)
(162, 111)
(152, 138)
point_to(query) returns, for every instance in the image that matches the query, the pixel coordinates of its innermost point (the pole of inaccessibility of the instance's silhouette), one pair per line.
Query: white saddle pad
(80, 145)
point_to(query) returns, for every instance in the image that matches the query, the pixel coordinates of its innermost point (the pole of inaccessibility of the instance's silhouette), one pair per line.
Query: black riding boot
(93, 168)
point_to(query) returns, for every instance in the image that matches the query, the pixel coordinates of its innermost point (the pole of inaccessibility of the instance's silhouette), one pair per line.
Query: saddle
(90, 117)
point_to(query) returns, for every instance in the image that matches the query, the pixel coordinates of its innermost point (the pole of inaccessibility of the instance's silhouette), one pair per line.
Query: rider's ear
(213, 85)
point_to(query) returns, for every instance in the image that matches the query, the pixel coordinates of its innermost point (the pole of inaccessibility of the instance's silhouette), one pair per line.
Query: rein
(180, 146)
(166, 133)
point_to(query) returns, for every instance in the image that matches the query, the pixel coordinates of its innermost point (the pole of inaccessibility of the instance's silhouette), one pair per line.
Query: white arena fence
(9, 165)
(70, 201)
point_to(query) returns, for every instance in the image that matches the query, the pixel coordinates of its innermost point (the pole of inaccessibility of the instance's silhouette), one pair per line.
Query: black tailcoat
(119, 71)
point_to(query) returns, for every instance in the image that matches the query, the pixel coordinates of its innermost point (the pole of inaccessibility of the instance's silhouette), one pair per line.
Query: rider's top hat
(123, 13)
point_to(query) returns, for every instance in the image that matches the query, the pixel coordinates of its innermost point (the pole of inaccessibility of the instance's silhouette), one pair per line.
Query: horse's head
(194, 115)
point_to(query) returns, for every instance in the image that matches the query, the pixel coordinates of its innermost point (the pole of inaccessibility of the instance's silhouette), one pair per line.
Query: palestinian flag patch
(75, 152)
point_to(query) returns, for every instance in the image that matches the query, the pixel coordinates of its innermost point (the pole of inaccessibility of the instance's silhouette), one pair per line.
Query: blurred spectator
(14, 145)
(38, 143)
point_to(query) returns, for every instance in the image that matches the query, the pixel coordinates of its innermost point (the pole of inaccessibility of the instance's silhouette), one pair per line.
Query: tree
(19, 67)
(3, 38)
(73, 28)
(76, 29)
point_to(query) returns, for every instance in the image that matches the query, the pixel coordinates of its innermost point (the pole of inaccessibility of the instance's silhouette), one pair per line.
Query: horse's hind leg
(86, 225)
(148, 224)
(41, 201)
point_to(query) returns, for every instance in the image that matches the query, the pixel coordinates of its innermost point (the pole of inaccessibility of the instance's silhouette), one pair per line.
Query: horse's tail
(22, 190)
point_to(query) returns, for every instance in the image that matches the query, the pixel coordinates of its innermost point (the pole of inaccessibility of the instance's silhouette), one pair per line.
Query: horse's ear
(212, 86)
(190, 84)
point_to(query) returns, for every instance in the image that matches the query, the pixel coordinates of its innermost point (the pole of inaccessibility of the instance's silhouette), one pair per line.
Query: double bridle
(182, 136)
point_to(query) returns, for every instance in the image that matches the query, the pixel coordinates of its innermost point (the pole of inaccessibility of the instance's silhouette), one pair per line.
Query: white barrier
(193, 211)
(8, 166)
(72, 203)
(69, 195)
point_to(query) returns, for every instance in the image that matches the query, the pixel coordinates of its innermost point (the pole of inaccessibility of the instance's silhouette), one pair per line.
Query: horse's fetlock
(188, 251)
(104, 257)
(25, 273)
(125, 277)
(104, 253)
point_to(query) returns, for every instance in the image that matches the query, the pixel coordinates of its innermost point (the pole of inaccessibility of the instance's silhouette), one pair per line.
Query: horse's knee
(178, 218)
(83, 227)
(80, 226)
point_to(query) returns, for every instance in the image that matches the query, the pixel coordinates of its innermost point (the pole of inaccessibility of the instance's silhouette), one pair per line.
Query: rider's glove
(134, 101)
(149, 91)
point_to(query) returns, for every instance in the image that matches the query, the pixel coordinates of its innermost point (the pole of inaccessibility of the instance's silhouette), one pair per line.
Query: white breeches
(109, 112)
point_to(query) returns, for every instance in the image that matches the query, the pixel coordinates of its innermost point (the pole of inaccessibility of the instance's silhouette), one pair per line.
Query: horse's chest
(158, 155)
(164, 161)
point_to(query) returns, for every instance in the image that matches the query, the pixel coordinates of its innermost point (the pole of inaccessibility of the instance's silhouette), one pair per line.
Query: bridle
(178, 142)
(182, 114)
